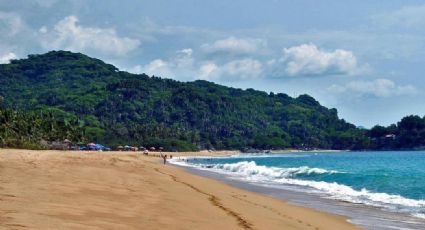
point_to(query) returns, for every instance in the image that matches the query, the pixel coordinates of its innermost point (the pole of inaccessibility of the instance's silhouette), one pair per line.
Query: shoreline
(68, 190)
(362, 215)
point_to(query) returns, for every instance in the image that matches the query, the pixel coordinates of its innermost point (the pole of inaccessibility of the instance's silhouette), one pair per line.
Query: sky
(364, 58)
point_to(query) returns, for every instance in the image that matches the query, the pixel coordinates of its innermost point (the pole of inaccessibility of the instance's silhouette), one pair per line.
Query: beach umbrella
(120, 147)
(153, 148)
(66, 141)
(91, 146)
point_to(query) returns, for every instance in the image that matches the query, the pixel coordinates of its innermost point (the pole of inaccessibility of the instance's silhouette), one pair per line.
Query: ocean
(383, 190)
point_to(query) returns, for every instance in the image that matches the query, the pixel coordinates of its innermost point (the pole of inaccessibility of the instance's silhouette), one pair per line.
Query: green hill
(116, 107)
(407, 134)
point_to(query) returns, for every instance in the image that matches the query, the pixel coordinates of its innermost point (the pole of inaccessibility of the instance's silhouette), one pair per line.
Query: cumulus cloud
(308, 59)
(305, 59)
(236, 69)
(234, 46)
(207, 70)
(157, 67)
(5, 59)
(69, 35)
(378, 87)
(187, 51)
(244, 68)
(184, 59)
(183, 66)
(180, 64)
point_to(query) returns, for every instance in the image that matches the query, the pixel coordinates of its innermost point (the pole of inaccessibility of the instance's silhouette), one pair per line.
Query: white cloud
(158, 67)
(187, 51)
(243, 68)
(207, 70)
(379, 88)
(308, 59)
(69, 35)
(234, 46)
(237, 69)
(179, 65)
(5, 59)
(183, 59)
(184, 67)
(43, 29)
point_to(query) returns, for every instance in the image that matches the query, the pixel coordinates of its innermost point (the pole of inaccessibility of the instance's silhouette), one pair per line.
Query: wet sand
(125, 190)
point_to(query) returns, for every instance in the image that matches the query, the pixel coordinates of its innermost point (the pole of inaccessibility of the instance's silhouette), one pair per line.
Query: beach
(127, 190)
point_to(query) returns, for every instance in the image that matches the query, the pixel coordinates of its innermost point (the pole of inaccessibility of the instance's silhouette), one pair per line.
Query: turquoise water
(393, 181)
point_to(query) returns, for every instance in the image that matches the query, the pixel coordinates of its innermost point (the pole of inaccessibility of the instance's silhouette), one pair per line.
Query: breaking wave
(251, 168)
(251, 172)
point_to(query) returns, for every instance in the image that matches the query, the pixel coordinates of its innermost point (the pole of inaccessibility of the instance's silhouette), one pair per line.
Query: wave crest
(250, 171)
(251, 168)
(253, 172)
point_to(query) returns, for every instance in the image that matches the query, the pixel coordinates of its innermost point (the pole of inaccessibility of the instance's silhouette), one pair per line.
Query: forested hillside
(116, 107)
(409, 133)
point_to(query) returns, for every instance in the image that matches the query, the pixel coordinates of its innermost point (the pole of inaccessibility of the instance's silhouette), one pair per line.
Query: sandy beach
(122, 190)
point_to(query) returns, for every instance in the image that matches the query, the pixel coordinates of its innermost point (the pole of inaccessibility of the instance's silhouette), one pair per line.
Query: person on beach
(164, 157)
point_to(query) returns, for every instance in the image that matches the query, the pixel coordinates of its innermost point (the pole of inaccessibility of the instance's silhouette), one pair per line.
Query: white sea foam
(419, 215)
(252, 172)
(251, 169)
(346, 193)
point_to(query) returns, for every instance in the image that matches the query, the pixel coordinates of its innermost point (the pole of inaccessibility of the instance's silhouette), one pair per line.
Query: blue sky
(365, 58)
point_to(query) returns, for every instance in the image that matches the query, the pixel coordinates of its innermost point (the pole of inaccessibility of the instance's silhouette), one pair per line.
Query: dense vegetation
(29, 130)
(409, 133)
(116, 107)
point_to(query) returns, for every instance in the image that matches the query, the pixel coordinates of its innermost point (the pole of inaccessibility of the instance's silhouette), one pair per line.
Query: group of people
(162, 155)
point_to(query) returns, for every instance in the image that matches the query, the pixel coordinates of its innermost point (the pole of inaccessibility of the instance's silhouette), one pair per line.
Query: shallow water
(373, 189)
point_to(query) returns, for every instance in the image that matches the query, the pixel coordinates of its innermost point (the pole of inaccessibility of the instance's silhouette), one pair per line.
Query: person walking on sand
(163, 157)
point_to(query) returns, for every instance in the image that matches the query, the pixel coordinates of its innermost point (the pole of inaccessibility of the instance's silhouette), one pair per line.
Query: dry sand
(117, 190)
